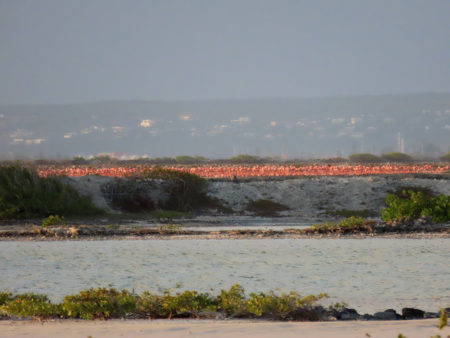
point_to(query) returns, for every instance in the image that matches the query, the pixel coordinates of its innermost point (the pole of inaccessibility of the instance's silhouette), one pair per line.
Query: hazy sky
(75, 51)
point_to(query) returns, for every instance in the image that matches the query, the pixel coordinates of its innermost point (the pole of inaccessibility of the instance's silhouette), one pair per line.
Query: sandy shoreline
(230, 236)
(142, 230)
(218, 329)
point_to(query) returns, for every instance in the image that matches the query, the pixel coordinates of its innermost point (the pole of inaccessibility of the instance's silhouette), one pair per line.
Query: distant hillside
(223, 128)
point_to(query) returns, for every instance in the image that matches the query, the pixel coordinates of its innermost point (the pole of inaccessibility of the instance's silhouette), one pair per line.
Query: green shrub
(190, 159)
(79, 160)
(363, 158)
(103, 159)
(446, 157)
(23, 194)
(105, 303)
(261, 304)
(396, 157)
(129, 197)
(351, 222)
(99, 303)
(232, 302)
(53, 220)
(442, 320)
(399, 192)
(5, 296)
(187, 304)
(264, 207)
(242, 159)
(187, 191)
(150, 306)
(169, 228)
(412, 205)
(325, 225)
(30, 305)
(279, 307)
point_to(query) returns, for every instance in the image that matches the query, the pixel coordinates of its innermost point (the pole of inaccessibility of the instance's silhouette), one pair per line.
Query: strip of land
(361, 229)
(218, 329)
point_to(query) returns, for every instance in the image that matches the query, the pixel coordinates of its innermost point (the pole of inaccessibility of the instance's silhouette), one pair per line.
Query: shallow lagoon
(369, 274)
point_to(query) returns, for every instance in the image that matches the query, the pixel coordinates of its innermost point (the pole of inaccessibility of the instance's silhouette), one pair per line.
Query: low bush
(364, 158)
(29, 305)
(187, 191)
(184, 159)
(53, 220)
(181, 305)
(99, 303)
(399, 192)
(245, 159)
(169, 228)
(23, 194)
(446, 157)
(442, 320)
(182, 193)
(79, 160)
(279, 307)
(232, 302)
(412, 205)
(103, 303)
(350, 224)
(396, 157)
(129, 197)
(5, 296)
(264, 207)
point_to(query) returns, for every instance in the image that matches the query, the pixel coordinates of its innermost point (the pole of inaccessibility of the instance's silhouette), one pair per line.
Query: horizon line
(202, 100)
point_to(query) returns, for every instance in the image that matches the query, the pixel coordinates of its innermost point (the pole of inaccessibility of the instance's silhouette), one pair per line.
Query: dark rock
(428, 315)
(412, 313)
(348, 314)
(380, 228)
(389, 314)
(304, 314)
(322, 313)
(424, 220)
(366, 316)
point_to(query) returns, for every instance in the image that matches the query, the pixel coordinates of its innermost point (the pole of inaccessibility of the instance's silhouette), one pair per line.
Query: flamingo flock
(243, 171)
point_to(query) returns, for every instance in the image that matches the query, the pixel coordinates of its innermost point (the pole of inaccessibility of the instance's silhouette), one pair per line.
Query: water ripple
(370, 274)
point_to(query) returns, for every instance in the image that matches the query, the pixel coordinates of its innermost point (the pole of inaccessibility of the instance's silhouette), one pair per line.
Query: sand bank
(218, 329)
(307, 197)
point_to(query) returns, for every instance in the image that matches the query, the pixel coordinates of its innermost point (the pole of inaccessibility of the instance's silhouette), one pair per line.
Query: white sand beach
(218, 329)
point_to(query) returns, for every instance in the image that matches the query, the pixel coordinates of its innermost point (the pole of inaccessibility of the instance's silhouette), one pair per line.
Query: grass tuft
(23, 194)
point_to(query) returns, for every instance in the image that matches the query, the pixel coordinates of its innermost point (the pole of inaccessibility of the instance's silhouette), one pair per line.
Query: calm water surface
(368, 274)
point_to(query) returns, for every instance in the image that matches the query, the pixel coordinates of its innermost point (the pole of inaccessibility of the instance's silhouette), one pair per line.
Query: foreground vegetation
(109, 303)
(186, 192)
(104, 303)
(23, 194)
(26, 195)
(410, 205)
